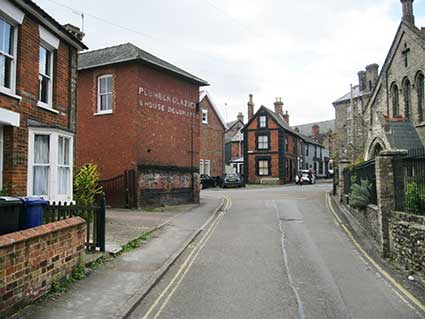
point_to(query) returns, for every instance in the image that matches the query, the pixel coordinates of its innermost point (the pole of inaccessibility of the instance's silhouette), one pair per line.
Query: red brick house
(272, 148)
(138, 112)
(212, 137)
(234, 145)
(38, 98)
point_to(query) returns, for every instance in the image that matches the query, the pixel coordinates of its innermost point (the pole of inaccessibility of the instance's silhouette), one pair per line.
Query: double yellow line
(399, 290)
(174, 284)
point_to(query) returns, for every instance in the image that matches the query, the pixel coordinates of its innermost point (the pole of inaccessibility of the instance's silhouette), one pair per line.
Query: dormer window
(263, 121)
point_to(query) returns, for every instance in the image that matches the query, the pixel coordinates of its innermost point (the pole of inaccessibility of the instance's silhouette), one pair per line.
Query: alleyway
(274, 253)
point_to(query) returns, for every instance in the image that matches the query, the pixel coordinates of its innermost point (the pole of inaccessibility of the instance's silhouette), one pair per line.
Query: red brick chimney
(278, 106)
(250, 107)
(286, 117)
(315, 130)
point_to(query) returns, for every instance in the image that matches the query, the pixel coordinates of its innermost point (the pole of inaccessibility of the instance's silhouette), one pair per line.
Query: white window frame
(12, 90)
(263, 123)
(1, 157)
(53, 194)
(98, 110)
(207, 167)
(201, 167)
(49, 104)
(263, 144)
(204, 116)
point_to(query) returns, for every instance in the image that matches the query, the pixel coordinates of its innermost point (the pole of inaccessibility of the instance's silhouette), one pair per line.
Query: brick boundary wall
(407, 241)
(33, 259)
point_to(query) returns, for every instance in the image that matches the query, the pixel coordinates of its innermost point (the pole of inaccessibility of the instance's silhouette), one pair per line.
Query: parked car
(208, 181)
(307, 177)
(330, 173)
(232, 180)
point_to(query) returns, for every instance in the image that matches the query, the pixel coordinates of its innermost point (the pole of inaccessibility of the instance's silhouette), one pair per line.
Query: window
(286, 144)
(50, 160)
(45, 77)
(320, 168)
(263, 121)
(407, 98)
(104, 94)
(201, 167)
(263, 167)
(207, 168)
(420, 85)
(263, 142)
(395, 100)
(205, 116)
(7, 57)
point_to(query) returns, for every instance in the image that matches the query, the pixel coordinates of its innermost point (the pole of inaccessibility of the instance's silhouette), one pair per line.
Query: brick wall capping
(393, 153)
(27, 234)
(161, 168)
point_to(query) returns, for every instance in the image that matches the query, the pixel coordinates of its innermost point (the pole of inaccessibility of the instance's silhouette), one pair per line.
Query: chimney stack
(250, 107)
(240, 117)
(315, 130)
(362, 80)
(286, 117)
(408, 15)
(371, 76)
(278, 106)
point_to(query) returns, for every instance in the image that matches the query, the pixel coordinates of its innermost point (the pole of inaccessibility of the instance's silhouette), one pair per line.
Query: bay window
(50, 160)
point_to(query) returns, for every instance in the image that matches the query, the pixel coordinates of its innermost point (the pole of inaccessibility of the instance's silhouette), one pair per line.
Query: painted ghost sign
(166, 103)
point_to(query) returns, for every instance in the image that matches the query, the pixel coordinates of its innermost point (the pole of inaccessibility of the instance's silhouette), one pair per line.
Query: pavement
(275, 253)
(111, 290)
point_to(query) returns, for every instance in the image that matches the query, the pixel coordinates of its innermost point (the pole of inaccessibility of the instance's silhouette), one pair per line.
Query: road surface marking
(186, 265)
(381, 271)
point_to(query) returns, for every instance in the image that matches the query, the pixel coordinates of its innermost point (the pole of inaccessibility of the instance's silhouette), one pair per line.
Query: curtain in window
(64, 169)
(41, 165)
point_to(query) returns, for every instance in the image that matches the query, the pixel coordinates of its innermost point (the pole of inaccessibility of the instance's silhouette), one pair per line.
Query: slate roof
(325, 127)
(356, 93)
(402, 135)
(129, 52)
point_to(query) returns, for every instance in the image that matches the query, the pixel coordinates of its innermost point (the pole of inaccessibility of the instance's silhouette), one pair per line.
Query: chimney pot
(240, 116)
(372, 72)
(250, 107)
(278, 106)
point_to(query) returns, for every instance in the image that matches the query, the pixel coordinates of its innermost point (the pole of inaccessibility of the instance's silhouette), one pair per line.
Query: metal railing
(366, 171)
(409, 181)
(93, 215)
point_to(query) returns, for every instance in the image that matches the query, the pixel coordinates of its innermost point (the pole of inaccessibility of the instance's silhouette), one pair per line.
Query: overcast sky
(307, 52)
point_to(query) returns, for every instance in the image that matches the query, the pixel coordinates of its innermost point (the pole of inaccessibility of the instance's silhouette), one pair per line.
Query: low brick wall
(407, 241)
(31, 260)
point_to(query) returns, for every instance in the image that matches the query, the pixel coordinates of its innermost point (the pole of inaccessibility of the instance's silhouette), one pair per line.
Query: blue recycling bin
(32, 212)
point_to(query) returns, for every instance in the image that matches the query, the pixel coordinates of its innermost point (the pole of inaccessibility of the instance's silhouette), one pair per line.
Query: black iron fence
(93, 215)
(347, 181)
(409, 181)
(120, 190)
(366, 171)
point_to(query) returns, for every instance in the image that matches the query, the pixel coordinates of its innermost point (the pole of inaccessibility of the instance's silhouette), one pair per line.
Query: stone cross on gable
(405, 54)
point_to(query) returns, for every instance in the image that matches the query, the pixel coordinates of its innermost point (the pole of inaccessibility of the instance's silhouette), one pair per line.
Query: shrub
(360, 194)
(86, 185)
(415, 198)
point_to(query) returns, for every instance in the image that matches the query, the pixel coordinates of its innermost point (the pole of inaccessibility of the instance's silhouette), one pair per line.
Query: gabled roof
(231, 124)
(50, 22)
(325, 127)
(129, 52)
(356, 93)
(206, 94)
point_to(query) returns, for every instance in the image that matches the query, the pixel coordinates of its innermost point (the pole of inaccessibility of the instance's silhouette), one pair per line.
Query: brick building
(212, 137)
(234, 145)
(271, 147)
(138, 112)
(322, 133)
(38, 97)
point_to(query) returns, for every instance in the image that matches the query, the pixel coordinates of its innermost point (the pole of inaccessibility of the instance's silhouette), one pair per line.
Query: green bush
(360, 194)
(86, 185)
(415, 198)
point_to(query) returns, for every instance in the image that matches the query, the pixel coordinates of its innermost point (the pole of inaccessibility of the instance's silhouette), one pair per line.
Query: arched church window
(394, 100)
(420, 87)
(407, 98)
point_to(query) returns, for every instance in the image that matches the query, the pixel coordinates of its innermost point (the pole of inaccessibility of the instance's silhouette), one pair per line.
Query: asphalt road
(274, 253)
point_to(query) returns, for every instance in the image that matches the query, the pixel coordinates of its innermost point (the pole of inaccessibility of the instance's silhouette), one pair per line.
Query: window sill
(47, 107)
(206, 123)
(10, 94)
(103, 113)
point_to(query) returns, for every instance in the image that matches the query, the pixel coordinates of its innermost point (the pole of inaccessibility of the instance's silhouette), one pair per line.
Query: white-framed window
(45, 77)
(263, 167)
(104, 94)
(1, 157)
(207, 168)
(263, 121)
(8, 42)
(263, 142)
(205, 116)
(201, 167)
(50, 160)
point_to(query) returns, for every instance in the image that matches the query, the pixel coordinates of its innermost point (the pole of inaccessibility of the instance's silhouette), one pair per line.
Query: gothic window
(407, 98)
(420, 86)
(394, 100)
